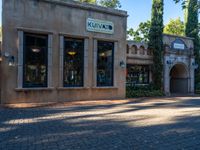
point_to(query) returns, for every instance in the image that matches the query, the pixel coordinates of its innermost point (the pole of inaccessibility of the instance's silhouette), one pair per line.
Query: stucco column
(20, 59)
(50, 60)
(192, 80)
(61, 60)
(166, 78)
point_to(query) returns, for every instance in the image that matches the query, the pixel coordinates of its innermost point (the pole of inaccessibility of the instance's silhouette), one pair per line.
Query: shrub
(143, 91)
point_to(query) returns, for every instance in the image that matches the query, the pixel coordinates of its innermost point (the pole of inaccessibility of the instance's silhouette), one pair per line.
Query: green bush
(197, 89)
(142, 91)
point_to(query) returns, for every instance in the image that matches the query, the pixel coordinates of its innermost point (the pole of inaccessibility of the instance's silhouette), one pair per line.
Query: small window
(73, 62)
(105, 63)
(35, 60)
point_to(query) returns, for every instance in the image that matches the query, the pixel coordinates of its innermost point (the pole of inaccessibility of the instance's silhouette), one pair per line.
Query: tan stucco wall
(184, 58)
(138, 59)
(59, 18)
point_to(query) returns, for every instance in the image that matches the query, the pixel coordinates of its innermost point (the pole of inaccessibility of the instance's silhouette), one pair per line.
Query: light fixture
(10, 58)
(102, 54)
(169, 62)
(0, 56)
(35, 49)
(72, 53)
(195, 65)
(122, 64)
(11, 61)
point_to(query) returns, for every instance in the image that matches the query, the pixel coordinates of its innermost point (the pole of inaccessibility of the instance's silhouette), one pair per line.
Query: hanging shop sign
(101, 26)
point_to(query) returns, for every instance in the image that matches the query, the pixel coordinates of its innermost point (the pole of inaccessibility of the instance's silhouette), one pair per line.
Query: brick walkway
(145, 124)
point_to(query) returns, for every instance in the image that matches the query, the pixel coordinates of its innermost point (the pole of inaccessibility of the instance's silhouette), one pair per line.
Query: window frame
(32, 85)
(113, 63)
(82, 65)
(20, 47)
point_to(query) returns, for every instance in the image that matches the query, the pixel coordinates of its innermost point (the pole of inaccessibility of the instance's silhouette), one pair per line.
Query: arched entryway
(179, 77)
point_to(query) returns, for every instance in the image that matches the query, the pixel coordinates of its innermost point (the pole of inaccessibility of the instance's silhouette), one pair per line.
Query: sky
(140, 11)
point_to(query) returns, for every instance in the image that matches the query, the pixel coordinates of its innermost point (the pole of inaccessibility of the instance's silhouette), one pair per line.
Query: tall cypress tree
(192, 30)
(156, 41)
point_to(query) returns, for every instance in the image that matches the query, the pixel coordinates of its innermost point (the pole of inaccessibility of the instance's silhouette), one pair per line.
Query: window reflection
(137, 74)
(35, 60)
(105, 63)
(73, 62)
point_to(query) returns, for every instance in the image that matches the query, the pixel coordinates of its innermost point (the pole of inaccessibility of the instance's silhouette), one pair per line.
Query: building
(139, 61)
(178, 62)
(58, 51)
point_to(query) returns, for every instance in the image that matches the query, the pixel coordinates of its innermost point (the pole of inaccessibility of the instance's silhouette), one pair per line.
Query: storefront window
(35, 60)
(137, 74)
(73, 62)
(105, 63)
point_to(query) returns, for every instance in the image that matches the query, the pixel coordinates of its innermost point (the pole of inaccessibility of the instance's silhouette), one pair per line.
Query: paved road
(145, 124)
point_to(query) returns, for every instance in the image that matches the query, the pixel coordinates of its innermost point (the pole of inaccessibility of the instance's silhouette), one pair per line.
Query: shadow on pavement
(166, 123)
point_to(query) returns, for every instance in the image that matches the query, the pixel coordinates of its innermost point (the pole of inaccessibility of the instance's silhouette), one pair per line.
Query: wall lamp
(0, 56)
(10, 58)
(122, 64)
(195, 65)
(11, 61)
(169, 62)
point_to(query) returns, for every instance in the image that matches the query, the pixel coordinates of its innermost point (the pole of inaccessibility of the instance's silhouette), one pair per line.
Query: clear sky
(140, 11)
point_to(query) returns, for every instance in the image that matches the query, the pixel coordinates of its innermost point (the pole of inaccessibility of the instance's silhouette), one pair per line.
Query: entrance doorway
(179, 79)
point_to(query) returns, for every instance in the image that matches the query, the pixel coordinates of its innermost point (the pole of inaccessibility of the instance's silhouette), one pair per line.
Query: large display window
(35, 61)
(105, 61)
(73, 62)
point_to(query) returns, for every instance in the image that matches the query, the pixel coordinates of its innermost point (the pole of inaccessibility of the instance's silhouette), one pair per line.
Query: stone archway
(179, 79)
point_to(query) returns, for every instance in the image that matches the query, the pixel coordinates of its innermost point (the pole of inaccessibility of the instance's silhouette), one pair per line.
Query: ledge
(34, 89)
(89, 7)
(178, 36)
(72, 88)
(34, 30)
(105, 87)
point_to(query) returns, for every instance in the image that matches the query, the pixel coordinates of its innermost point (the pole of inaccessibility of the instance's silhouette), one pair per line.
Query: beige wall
(138, 53)
(174, 58)
(58, 19)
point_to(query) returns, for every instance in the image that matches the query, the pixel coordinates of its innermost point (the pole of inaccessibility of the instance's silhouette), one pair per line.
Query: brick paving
(143, 124)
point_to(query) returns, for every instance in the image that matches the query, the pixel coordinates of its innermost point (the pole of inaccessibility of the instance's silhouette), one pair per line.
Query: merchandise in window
(105, 63)
(73, 62)
(137, 74)
(35, 60)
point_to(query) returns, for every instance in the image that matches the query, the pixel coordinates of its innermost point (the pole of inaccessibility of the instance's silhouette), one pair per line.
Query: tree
(141, 33)
(155, 41)
(104, 3)
(175, 27)
(192, 30)
(88, 1)
(110, 3)
(184, 3)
